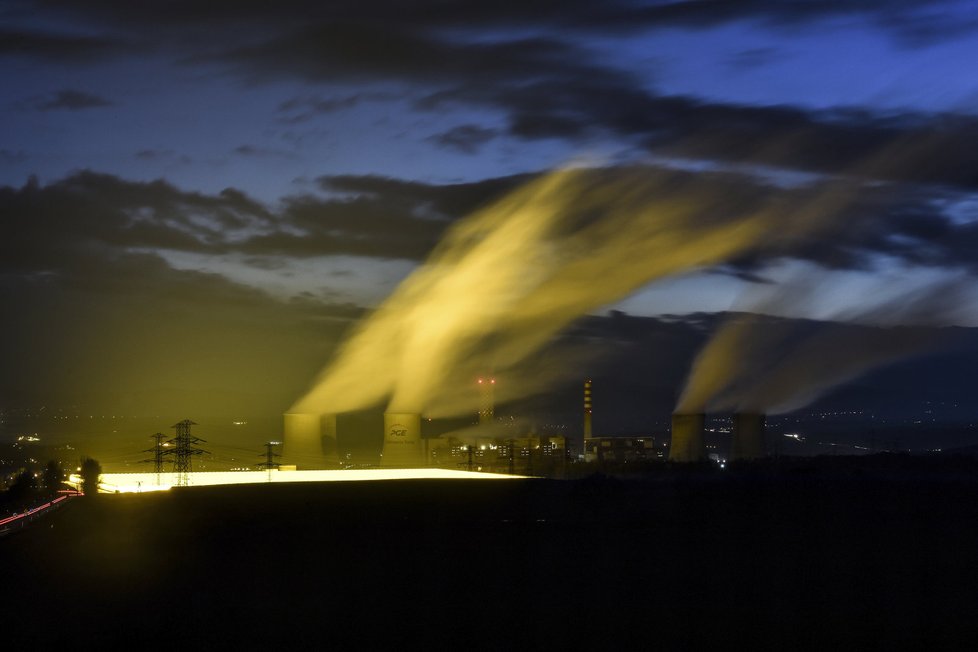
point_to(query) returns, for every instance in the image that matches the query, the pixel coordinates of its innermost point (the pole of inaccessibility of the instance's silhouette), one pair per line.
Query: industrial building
(311, 440)
(530, 455)
(624, 449)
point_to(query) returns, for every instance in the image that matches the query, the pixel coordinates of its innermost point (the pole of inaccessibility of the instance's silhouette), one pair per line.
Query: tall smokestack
(402, 440)
(487, 400)
(688, 444)
(587, 412)
(748, 437)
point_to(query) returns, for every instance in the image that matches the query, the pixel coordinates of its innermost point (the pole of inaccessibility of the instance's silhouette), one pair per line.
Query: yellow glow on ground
(140, 482)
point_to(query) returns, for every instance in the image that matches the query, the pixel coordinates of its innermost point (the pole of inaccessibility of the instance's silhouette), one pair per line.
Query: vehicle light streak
(32, 511)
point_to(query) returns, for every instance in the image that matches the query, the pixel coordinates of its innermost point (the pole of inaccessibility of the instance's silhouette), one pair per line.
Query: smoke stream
(755, 363)
(506, 279)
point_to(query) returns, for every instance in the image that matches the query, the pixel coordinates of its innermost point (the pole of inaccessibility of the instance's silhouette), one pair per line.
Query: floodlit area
(144, 482)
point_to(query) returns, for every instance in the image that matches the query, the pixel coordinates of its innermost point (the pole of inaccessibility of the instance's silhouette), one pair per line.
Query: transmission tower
(158, 452)
(183, 451)
(487, 400)
(270, 456)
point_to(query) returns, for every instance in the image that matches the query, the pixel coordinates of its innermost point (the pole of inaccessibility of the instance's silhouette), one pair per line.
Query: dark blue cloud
(70, 100)
(464, 138)
(59, 47)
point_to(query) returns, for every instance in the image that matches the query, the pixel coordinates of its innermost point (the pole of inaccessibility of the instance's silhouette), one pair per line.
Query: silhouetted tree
(53, 476)
(91, 470)
(22, 488)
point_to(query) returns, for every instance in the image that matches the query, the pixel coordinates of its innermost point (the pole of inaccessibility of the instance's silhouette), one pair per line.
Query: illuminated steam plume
(755, 363)
(519, 271)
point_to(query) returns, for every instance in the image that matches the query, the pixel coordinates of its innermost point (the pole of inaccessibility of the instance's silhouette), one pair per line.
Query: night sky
(199, 199)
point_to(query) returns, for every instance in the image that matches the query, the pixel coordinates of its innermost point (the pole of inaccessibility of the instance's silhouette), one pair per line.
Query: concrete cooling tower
(688, 444)
(748, 437)
(402, 440)
(328, 437)
(306, 437)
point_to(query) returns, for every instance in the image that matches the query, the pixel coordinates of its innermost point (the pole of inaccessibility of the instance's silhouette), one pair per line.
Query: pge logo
(397, 430)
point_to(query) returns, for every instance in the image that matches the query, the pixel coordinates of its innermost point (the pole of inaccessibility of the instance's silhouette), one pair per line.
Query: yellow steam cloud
(508, 278)
(754, 363)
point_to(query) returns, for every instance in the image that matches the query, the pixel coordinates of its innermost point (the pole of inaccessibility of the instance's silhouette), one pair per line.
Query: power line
(158, 452)
(184, 450)
(270, 456)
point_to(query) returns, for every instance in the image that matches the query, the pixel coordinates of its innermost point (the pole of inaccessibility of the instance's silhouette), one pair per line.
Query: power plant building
(622, 449)
(532, 454)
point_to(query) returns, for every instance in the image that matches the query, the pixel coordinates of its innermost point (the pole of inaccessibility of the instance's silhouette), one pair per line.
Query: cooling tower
(687, 444)
(402, 440)
(302, 443)
(748, 437)
(329, 448)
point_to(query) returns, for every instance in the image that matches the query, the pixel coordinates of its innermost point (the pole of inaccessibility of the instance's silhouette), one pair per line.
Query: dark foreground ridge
(796, 558)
